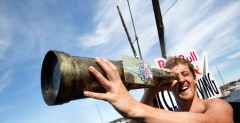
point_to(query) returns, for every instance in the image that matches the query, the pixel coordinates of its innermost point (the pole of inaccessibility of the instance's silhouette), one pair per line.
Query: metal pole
(160, 27)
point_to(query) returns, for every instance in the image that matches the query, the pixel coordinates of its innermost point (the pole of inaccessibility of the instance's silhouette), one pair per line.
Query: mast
(160, 27)
(220, 75)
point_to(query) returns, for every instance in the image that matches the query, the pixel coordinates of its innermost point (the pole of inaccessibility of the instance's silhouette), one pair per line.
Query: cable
(136, 38)
(131, 17)
(169, 7)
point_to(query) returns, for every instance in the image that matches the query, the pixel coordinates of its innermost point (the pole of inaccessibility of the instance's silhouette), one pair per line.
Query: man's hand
(150, 93)
(116, 93)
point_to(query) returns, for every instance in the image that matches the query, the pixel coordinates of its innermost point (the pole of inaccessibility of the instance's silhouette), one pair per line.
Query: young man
(191, 108)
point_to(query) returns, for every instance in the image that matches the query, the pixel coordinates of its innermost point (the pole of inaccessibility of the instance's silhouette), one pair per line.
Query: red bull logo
(191, 56)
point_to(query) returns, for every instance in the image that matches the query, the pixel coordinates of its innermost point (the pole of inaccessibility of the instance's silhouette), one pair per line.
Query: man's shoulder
(219, 108)
(218, 103)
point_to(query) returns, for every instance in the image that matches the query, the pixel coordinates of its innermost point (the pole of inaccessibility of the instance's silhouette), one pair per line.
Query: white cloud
(110, 33)
(104, 19)
(203, 29)
(235, 55)
(90, 40)
(5, 80)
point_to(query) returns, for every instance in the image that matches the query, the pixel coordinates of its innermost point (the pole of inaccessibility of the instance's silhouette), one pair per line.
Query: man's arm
(148, 96)
(117, 95)
(218, 111)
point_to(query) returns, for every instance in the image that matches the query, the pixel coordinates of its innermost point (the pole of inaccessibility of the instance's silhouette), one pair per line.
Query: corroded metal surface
(65, 77)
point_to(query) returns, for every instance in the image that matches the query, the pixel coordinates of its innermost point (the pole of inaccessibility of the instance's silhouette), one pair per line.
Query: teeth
(185, 87)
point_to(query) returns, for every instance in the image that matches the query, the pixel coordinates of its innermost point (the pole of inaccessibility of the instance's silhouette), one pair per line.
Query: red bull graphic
(144, 71)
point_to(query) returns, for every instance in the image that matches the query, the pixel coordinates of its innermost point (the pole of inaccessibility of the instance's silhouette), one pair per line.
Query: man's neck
(186, 105)
(194, 105)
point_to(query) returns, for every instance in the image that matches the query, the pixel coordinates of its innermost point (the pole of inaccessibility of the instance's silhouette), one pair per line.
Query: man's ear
(195, 81)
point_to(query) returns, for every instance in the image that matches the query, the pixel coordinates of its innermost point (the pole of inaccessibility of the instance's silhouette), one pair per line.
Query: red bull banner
(206, 86)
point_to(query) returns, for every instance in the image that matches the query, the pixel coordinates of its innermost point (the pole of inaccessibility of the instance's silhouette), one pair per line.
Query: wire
(136, 38)
(169, 8)
(99, 112)
(132, 18)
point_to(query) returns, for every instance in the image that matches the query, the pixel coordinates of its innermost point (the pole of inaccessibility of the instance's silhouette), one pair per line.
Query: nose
(181, 78)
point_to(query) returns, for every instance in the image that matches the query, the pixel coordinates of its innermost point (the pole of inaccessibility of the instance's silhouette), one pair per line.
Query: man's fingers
(166, 70)
(102, 80)
(94, 95)
(108, 67)
(112, 66)
(174, 82)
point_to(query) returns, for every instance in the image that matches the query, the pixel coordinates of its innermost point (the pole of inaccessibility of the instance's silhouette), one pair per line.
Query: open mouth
(183, 88)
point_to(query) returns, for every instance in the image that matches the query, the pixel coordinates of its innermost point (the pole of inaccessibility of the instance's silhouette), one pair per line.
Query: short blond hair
(174, 61)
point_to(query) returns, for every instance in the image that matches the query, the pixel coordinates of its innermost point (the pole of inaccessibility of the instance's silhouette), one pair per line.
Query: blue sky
(28, 29)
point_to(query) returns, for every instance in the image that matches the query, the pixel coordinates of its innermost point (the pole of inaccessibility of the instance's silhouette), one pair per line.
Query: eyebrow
(182, 72)
(185, 71)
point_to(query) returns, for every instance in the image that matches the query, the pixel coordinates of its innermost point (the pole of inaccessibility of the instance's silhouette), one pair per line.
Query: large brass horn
(65, 77)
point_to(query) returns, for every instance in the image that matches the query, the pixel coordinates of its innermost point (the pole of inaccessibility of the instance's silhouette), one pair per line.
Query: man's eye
(185, 73)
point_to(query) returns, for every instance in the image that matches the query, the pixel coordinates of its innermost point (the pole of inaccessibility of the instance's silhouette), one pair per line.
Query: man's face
(185, 88)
